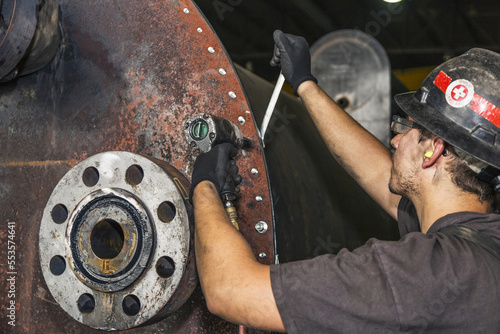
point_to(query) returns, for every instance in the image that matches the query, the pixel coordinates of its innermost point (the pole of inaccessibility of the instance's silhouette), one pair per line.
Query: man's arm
(236, 286)
(361, 154)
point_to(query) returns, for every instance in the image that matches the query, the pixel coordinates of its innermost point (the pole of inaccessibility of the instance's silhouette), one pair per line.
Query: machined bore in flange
(110, 239)
(115, 241)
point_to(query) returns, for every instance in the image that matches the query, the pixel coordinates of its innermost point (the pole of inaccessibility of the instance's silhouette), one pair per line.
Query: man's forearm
(235, 285)
(361, 154)
(217, 241)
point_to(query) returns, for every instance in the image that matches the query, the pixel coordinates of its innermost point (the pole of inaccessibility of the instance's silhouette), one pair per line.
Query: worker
(442, 276)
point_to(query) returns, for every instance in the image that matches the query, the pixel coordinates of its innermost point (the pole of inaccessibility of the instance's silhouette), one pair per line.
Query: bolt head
(261, 227)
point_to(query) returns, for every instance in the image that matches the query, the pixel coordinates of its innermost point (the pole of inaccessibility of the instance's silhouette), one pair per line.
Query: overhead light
(392, 1)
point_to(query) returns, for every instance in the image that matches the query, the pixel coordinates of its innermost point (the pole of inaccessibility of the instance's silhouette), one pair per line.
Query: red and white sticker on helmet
(459, 93)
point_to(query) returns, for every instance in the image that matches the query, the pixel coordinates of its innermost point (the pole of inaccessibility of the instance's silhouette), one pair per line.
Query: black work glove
(229, 189)
(292, 54)
(217, 167)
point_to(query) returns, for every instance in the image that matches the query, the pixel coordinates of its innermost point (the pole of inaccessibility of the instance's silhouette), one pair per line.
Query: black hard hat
(460, 102)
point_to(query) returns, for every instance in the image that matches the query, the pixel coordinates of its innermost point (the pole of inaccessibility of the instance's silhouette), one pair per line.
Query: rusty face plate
(127, 76)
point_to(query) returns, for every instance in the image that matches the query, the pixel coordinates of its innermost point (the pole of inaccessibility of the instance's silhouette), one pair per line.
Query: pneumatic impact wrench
(203, 132)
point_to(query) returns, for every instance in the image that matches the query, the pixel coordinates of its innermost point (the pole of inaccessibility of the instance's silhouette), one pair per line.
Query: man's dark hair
(462, 175)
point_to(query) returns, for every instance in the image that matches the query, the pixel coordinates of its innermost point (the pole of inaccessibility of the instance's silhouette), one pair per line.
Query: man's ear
(432, 155)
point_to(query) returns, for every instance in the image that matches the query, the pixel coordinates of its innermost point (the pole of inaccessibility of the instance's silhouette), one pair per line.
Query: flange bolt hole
(90, 176)
(165, 267)
(86, 303)
(131, 305)
(134, 175)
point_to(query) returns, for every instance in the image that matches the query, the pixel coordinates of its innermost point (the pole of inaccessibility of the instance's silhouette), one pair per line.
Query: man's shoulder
(485, 223)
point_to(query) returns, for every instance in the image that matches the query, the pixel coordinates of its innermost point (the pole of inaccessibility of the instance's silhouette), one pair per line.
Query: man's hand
(217, 167)
(229, 189)
(292, 54)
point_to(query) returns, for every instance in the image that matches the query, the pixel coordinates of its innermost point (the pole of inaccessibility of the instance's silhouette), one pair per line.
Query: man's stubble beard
(403, 184)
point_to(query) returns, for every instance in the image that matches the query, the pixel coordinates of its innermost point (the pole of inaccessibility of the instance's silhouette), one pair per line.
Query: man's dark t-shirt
(433, 283)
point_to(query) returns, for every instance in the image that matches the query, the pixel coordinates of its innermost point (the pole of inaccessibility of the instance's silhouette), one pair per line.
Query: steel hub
(115, 241)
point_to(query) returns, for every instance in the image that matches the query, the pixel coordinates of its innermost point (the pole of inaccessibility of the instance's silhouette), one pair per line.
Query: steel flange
(116, 248)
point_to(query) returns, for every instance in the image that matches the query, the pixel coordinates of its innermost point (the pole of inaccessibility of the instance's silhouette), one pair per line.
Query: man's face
(406, 163)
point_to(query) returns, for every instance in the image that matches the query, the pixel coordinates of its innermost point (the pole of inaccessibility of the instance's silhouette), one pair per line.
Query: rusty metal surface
(127, 77)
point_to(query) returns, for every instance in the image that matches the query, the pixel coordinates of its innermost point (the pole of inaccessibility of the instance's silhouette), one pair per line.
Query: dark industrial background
(417, 34)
